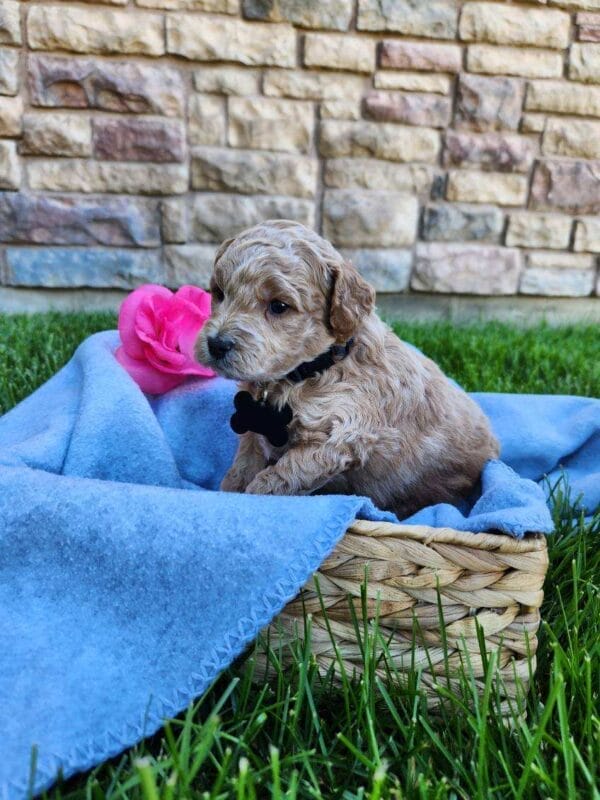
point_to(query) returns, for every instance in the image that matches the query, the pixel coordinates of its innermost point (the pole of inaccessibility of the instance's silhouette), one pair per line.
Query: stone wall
(446, 147)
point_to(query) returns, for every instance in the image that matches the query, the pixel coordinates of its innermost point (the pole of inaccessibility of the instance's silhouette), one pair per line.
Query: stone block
(584, 63)
(56, 135)
(550, 231)
(587, 235)
(226, 79)
(558, 275)
(10, 26)
(121, 86)
(369, 218)
(563, 97)
(369, 173)
(270, 124)
(110, 177)
(378, 140)
(9, 71)
(435, 19)
(425, 56)
(486, 187)
(174, 220)
(488, 104)
(308, 85)
(205, 38)
(571, 137)
(11, 116)
(332, 15)
(339, 109)
(216, 6)
(247, 172)
(569, 186)
(190, 264)
(10, 166)
(533, 123)
(139, 140)
(519, 61)
(55, 219)
(507, 24)
(73, 267)
(95, 30)
(412, 81)
(501, 152)
(206, 120)
(339, 51)
(429, 110)
(455, 223)
(466, 269)
(386, 270)
(214, 217)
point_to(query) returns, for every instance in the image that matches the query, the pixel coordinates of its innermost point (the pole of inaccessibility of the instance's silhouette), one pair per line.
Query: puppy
(369, 415)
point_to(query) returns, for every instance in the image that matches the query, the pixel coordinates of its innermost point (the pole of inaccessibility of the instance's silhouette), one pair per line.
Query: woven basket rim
(500, 542)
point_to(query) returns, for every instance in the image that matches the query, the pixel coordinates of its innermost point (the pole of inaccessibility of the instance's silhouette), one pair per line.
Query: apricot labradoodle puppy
(334, 402)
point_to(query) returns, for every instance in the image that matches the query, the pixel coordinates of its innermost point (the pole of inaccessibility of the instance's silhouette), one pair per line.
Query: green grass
(302, 736)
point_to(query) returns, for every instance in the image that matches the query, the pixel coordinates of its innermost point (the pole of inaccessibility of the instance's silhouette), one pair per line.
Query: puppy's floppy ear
(352, 298)
(222, 248)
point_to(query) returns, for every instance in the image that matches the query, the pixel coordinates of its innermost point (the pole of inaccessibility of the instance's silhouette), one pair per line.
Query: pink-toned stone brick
(466, 269)
(413, 109)
(588, 33)
(488, 104)
(420, 56)
(502, 152)
(572, 186)
(138, 140)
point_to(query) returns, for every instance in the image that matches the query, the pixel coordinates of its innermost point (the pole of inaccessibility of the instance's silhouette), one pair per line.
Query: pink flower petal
(196, 296)
(149, 380)
(128, 313)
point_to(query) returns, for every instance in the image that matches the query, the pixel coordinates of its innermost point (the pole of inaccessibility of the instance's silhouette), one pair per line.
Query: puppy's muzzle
(219, 346)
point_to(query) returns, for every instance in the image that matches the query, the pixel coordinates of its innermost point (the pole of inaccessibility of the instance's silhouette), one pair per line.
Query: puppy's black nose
(219, 346)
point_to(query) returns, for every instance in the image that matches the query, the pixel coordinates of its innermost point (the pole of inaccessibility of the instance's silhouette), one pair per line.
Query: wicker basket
(435, 592)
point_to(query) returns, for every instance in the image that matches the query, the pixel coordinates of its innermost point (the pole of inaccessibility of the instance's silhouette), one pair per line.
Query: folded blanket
(127, 583)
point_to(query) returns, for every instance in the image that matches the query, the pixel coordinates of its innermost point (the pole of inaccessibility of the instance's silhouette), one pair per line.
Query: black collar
(259, 416)
(308, 369)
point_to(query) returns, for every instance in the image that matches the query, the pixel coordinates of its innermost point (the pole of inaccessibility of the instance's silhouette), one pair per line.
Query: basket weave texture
(430, 589)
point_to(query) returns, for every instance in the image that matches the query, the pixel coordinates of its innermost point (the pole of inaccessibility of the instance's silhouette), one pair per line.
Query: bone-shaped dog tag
(261, 417)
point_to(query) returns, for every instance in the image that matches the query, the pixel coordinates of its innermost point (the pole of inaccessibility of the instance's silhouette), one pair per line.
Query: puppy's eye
(217, 294)
(278, 307)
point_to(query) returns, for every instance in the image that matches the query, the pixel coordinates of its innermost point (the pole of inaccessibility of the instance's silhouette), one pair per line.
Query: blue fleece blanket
(127, 582)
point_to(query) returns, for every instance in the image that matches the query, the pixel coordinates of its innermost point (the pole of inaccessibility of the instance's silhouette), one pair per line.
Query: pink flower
(158, 330)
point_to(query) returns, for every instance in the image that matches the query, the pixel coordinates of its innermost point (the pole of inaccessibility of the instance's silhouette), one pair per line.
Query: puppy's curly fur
(384, 422)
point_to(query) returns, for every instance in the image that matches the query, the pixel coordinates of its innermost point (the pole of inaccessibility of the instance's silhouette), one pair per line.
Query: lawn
(301, 736)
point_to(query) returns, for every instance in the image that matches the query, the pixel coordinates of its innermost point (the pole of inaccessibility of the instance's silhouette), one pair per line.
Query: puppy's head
(281, 295)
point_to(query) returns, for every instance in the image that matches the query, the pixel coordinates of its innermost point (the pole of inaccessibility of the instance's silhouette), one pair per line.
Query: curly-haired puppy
(374, 417)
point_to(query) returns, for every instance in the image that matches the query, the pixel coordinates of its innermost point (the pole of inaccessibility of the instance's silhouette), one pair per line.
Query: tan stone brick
(217, 6)
(488, 104)
(270, 123)
(9, 71)
(466, 269)
(247, 172)
(370, 173)
(95, 30)
(57, 135)
(501, 188)
(11, 116)
(518, 61)
(10, 167)
(98, 176)
(571, 137)
(504, 24)
(366, 218)
(584, 63)
(190, 264)
(425, 56)
(412, 82)
(533, 123)
(174, 220)
(340, 109)
(436, 19)
(584, 5)
(538, 230)
(378, 139)
(227, 80)
(563, 97)
(305, 85)
(10, 28)
(206, 120)
(558, 275)
(206, 38)
(339, 51)
(587, 235)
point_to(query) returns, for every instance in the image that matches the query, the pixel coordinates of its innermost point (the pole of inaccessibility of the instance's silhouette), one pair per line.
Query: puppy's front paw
(267, 482)
(233, 481)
